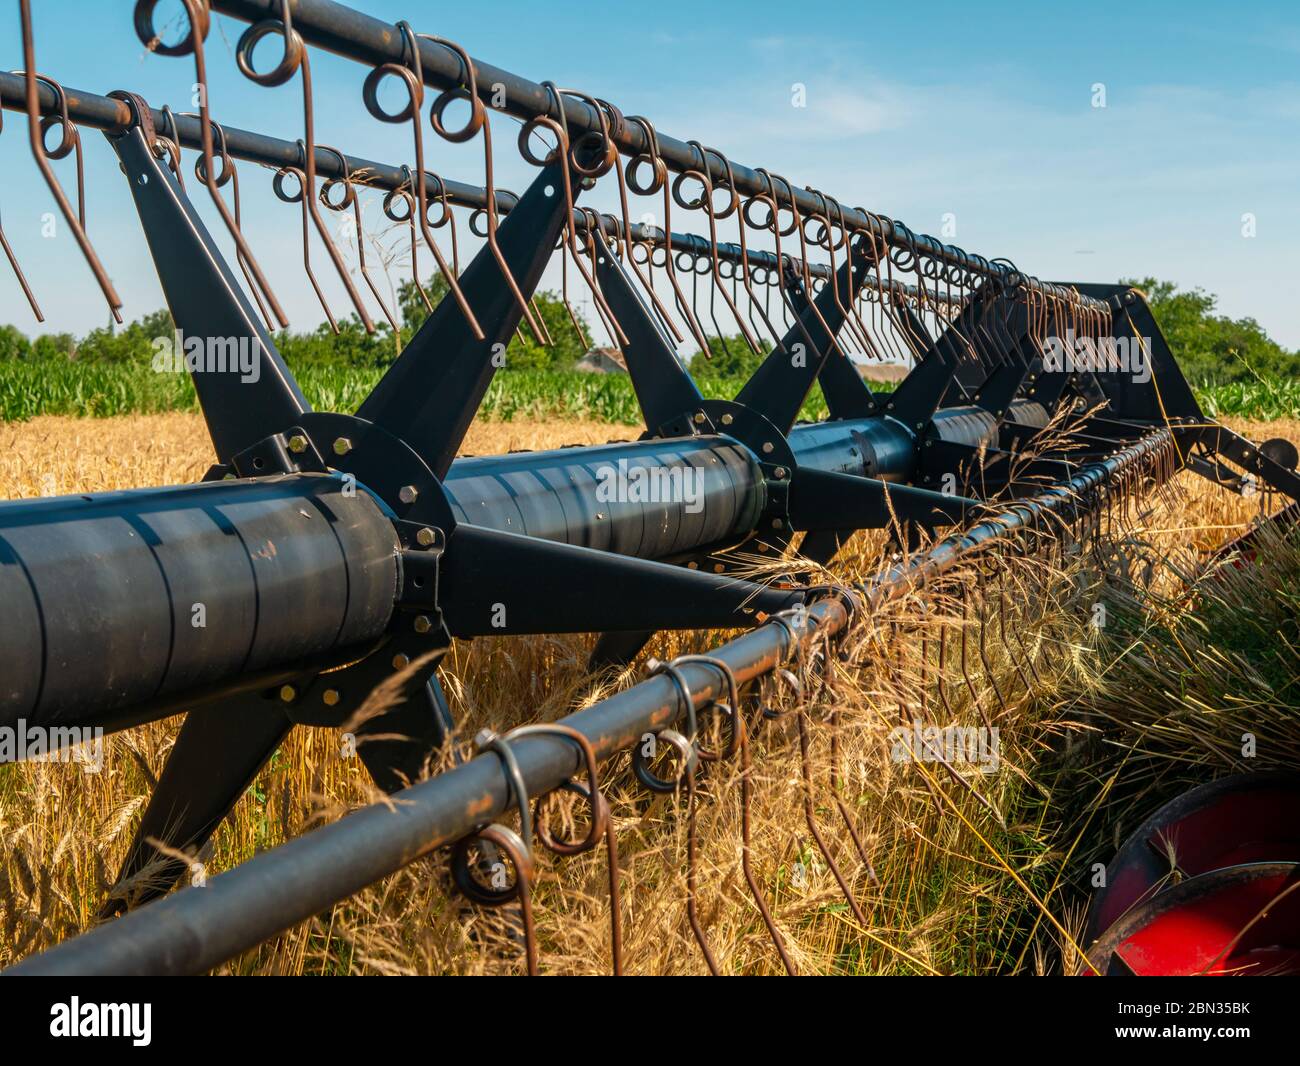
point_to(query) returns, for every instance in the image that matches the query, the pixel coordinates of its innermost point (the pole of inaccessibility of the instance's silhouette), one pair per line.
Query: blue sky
(917, 111)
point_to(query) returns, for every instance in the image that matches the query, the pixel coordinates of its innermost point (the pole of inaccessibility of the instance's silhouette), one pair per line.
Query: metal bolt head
(777, 523)
(699, 418)
(422, 623)
(288, 693)
(330, 696)
(779, 472)
(768, 447)
(408, 493)
(297, 444)
(400, 661)
(728, 419)
(425, 537)
(342, 446)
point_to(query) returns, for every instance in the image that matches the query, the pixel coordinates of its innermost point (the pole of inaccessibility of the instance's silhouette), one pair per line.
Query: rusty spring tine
(515, 845)
(983, 636)
(591, 218)
(705, 202)
(740, 744)
(810, 817)
(773, 225)
(294, 60)
(402, 195)
(36, 134)
(228, 174)
(999, 560)
(475, 124)
(689, 767)
(690, 261)
(602, 823)
(172, 141)
(606, 158)
(413, 78)
(300, 197)
(659, 183)
(797, 228)
(350, 199)
(13, 261)
(198, 15)
(837, 783)
(647, 281)
(829, 243)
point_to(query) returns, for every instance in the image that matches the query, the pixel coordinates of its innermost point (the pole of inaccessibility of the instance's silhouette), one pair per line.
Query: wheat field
(958, 872)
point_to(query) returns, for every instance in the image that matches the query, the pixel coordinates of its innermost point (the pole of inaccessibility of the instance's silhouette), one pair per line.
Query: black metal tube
(339, 29)
(195, 930)
(120, 600)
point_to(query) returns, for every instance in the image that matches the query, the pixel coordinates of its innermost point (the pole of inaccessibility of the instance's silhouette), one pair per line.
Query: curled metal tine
(350, 199)
(229, 174)
(740, 741)
(516, 845)
(412, 77)
(705, 202)
(13, 260)
(36, 132)
(403, 195)
(602, 823)
(301, 197)
(659, 183)
(629, 241)
(478, 123)
(199, 20)
(296, 60)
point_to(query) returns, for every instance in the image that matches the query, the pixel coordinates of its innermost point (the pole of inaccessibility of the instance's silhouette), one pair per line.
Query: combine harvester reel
(330, 554)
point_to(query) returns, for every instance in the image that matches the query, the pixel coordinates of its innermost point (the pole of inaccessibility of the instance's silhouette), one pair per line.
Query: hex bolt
(699, 418)
(330, 697)
(408, 493)
(779, 472)
(422, 623)
(297, 444)
(400, 661)
(768, 447)
(342, 446)
(777, 523)
(727, 419)
(425, 537)
(288, 693)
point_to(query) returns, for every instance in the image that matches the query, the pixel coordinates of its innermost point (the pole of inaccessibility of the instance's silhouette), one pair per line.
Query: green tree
(731, 358)
(13, 343)
(1212, 348)
(524, 352)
